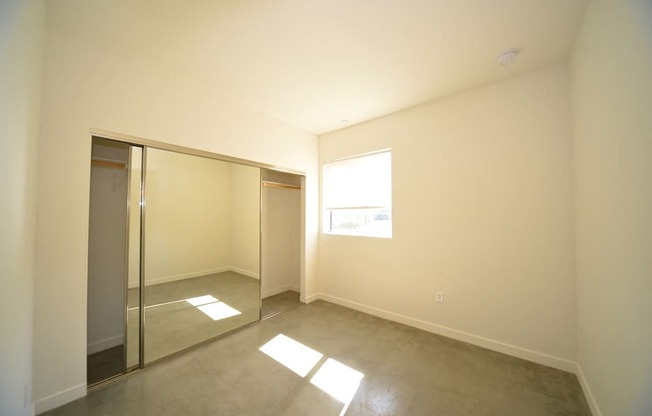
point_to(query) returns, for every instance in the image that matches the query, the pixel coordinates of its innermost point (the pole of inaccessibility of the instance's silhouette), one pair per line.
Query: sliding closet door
(133, 327)
(113, 259)
(202, 249)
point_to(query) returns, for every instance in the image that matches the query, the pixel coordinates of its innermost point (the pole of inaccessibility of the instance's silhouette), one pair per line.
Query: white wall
(21, 49)
(245, 223)
(482, 210)
(106, 258)
(135, 178)
(202, 217)
(188, 216)
(611, 74)
(87, 86)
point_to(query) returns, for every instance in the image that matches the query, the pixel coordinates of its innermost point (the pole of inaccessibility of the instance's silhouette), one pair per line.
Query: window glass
(357, 195)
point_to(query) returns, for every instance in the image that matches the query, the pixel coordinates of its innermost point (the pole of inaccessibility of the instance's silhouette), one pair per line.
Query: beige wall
(188, 216)
(245, 224)
(21, 48)
(482, 207)
(202, 217)
(87, 86)
(611, 74)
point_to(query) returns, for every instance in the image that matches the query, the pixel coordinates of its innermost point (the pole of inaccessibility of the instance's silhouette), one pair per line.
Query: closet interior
(281, 241)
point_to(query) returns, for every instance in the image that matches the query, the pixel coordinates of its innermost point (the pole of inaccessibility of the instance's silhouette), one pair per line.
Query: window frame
(327, 221)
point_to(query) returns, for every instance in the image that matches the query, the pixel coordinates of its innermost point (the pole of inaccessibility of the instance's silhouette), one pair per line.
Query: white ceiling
(313, 63)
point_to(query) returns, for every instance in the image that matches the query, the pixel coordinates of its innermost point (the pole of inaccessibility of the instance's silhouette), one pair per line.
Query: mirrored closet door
(174, 253)
(202, 250)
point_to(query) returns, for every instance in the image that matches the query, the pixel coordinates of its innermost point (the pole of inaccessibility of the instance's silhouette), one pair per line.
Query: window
(357, 195)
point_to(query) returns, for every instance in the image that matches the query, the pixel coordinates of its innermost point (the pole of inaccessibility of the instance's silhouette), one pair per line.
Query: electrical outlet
(440, 296)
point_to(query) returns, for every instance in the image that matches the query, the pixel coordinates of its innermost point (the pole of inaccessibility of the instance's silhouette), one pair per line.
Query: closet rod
(270, 184)
(115, 165)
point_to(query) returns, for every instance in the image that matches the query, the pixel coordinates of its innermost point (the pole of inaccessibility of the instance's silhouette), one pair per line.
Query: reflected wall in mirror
(202, 250)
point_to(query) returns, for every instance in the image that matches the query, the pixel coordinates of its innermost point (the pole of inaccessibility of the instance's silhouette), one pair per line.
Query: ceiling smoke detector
(507, 56)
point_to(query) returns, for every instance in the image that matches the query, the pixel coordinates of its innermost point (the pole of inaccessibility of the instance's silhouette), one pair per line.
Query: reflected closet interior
(183, 248)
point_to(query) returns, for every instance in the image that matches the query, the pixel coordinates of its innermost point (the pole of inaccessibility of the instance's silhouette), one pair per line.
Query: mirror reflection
(202, 250)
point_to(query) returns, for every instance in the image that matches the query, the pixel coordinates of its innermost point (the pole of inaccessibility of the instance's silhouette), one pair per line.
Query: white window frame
(368, 208)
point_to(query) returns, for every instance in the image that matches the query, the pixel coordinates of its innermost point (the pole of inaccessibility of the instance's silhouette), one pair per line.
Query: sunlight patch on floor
(338, 380)
(218, 310)
(201, 300)
(292, 354)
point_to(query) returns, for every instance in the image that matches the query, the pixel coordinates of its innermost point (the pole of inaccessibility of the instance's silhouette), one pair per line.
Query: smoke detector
(507, 56)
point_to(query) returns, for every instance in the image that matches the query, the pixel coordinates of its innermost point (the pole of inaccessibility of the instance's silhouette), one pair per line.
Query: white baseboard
(104, 344)
(247, 273)
(312, 298)
(167, 279)
(588, 394)
(182, 276)
(59, 399)
(513, 350)
(280, 289)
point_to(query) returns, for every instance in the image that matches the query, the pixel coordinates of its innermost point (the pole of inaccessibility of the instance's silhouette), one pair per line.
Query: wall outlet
(440, 296)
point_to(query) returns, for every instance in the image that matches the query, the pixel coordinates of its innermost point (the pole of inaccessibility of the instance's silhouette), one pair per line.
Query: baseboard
(104, 344)
(515, 351)
(182, 276)
(312, 298)
(59, 399)
(168, 279)
(278, 290)
(588, 394)
(247, 273)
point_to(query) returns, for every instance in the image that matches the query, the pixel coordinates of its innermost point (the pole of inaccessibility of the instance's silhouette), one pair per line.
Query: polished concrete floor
(105, 364)
(186, 312)
(405, 371)
(185, 325)
(279, 303)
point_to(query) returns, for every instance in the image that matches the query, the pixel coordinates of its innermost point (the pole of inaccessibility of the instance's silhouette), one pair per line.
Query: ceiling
(314, 63)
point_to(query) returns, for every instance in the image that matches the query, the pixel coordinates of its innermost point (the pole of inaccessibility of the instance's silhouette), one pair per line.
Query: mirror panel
(202, 250)
(133, 257)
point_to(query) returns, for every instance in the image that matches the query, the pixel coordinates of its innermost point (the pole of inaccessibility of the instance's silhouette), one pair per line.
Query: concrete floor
(179, 325)
(173, 324)
(406, 372)
(105, 364)
(279, 303)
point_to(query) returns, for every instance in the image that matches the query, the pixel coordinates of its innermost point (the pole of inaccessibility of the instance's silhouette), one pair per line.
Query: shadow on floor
(280, 303)
(104, 364)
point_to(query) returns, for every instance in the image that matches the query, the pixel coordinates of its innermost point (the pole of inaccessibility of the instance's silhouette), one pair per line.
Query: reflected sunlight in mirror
(218, 310)
(292, 354)
(338, 380)
(201, 300)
